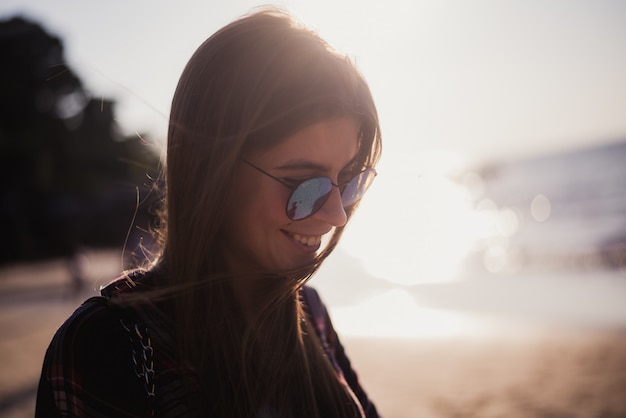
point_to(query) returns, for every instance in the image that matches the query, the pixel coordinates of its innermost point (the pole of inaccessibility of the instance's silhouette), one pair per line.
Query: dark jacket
(106, 361)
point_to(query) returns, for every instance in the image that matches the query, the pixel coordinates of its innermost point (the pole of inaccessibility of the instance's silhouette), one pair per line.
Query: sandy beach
(542, 374)
(521, 370)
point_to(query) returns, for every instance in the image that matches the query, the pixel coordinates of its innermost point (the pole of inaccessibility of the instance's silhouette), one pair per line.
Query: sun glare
(418, 224)
(396, 314)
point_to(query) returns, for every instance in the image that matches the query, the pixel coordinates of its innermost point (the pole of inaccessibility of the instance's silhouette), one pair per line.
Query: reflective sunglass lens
(357, 187)
(308, 198)
(310, 195)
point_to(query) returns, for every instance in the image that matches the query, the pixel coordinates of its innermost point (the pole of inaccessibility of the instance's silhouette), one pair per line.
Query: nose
(332, 212)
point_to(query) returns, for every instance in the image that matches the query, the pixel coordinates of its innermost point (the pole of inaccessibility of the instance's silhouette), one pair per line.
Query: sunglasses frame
(293, 188)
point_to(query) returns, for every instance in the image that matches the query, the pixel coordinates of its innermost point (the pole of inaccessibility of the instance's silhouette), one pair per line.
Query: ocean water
(568, 209)
(552, 251)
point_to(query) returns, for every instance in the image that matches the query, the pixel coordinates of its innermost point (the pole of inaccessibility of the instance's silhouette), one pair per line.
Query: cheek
(257, 204)
(267, 207)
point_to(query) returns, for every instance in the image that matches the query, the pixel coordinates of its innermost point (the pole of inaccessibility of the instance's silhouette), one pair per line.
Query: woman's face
(259, 235)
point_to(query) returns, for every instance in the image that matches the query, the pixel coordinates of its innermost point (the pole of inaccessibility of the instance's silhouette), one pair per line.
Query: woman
(273, 140)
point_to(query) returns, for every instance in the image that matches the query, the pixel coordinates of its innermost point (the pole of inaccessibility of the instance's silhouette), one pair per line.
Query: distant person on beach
(77, 265)
(272, 142)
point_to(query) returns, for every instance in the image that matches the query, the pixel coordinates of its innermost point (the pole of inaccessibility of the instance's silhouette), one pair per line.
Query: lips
(308, 240)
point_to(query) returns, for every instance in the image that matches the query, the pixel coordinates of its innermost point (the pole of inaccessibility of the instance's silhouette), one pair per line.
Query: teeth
(308, 241)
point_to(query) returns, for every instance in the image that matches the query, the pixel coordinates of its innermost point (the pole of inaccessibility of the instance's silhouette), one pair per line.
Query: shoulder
(88, 334)
(312, 301)
(315, 308)
(88, 365)
(93, 317)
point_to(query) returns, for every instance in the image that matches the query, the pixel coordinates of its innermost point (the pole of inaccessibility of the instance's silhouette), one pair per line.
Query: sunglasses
(308, 196)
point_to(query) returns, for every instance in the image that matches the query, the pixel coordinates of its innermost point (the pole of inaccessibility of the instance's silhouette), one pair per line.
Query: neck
(248, 293)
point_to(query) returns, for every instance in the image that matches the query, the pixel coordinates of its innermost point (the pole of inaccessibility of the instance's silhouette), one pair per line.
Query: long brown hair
(249, 86)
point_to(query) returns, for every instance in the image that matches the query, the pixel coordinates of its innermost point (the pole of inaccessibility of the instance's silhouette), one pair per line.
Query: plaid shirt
(96, 365)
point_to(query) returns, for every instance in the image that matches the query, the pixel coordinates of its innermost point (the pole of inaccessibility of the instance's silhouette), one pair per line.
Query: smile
(309, 241)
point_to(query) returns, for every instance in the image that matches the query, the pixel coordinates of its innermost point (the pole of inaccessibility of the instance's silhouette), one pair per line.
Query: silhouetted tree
(68, 178)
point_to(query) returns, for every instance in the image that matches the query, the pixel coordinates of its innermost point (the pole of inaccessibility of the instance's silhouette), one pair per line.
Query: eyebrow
(301, 164)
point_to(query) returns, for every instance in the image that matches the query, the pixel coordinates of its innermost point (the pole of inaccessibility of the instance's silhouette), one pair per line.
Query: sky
(478, 80)
(456, 82)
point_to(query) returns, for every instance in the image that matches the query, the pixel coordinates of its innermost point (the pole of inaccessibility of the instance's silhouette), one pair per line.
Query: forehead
(329, 144)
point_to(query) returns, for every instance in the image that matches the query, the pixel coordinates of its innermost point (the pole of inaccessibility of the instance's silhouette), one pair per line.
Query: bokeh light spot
(540, 208)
